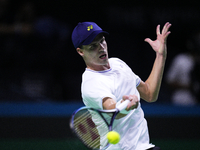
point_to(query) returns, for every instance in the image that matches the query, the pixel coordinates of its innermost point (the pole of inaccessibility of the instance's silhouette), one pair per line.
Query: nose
(101, 46)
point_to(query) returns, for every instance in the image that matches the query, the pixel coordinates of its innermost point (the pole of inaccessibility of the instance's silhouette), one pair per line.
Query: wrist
(161, 55)
(124, 111)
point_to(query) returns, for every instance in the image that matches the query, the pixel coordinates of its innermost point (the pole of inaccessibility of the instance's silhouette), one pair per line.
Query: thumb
(148, 40)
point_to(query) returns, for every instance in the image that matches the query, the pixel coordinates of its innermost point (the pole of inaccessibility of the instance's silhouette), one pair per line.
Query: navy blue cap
(85, 32)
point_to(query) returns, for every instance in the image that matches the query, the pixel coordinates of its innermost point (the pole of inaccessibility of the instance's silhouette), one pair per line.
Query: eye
(93, 46)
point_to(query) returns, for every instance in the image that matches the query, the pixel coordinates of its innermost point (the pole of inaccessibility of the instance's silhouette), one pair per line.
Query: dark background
(40, 66)
(43, 64)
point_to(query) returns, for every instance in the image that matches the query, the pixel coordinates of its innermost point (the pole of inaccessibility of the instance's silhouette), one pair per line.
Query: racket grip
(123, 105)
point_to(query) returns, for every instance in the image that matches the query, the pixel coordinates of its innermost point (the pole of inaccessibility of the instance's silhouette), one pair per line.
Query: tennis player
(107, 82)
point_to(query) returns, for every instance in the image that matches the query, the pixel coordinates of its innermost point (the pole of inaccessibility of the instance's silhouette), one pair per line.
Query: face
(95, 54)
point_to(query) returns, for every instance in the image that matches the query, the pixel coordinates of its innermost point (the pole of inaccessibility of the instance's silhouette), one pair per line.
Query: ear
(80, 51)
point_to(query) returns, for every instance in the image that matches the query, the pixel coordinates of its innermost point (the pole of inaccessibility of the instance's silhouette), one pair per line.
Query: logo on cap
(89, 27)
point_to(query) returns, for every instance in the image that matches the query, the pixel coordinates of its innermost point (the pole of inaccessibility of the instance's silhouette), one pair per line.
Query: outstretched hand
(159, 45)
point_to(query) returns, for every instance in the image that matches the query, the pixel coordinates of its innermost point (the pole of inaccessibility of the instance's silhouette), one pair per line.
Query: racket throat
(112, 120)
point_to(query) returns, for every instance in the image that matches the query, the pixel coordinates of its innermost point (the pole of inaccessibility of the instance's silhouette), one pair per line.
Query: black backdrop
(45, 64)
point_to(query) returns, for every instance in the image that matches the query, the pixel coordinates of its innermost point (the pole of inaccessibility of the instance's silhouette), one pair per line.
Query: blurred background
(40, 71)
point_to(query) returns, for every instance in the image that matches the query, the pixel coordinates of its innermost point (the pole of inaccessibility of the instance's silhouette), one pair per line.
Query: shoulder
(95, 80)
(115, 60)
(90, 78)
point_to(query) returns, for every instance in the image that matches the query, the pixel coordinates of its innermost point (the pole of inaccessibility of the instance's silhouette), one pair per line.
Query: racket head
(91, 126)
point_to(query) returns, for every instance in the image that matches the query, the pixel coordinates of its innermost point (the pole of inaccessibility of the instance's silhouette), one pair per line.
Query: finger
(125, 97)
(166, 28)
(132, 105)
(168, 25)
(167, 35)
(158, 30)
(167, 32)
(148, 40)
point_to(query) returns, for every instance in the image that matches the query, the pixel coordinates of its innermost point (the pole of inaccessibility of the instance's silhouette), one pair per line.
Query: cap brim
(92, 36)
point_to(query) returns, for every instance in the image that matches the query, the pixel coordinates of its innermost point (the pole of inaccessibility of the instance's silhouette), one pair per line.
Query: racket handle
(123, 105)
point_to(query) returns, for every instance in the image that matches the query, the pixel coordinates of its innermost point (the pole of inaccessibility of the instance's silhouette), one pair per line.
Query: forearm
(109, 103)
(155, 78)
(149, 89)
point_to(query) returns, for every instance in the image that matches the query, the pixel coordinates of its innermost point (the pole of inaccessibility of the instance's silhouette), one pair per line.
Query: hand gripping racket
(92, 125)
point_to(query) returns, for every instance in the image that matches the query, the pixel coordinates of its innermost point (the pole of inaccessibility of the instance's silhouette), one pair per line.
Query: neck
(99, 67)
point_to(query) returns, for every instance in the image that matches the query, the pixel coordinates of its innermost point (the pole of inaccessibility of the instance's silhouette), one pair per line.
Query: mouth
(103, 56)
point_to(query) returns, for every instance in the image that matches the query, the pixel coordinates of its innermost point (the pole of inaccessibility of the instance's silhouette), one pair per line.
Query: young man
(107, 82)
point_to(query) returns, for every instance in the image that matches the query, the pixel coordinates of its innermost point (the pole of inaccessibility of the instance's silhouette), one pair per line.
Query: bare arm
(109, 103)
(149, 89)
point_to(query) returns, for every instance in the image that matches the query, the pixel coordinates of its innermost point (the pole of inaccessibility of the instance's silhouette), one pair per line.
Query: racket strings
(86, 129)
(91, 128)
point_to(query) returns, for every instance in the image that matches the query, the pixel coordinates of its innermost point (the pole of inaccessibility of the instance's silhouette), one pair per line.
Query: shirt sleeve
(138, 80)
(94, 91)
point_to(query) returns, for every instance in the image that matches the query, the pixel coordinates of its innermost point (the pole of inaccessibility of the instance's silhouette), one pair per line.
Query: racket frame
(99, 111)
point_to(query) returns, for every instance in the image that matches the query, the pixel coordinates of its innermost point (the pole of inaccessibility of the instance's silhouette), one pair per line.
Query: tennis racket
(92, 125)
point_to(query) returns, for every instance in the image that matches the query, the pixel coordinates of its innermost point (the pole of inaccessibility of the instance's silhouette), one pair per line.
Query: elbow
(152, 99)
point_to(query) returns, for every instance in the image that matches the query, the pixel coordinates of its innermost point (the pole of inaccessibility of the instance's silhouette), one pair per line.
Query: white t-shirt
(115, 82)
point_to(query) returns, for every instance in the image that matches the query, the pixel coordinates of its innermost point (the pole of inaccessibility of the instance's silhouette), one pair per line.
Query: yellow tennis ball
(113, 137)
